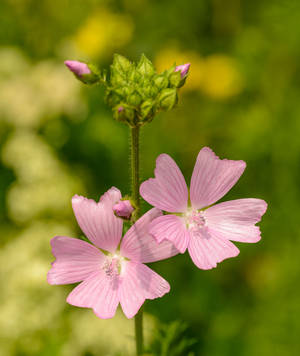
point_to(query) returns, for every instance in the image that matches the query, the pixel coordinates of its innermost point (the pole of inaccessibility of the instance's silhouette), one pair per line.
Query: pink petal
(138, 245)
(183, 68)
(99, 292)
(168, 190)
(235, 220)
(207, 249)
(172, 228)
(98, 221)
(139, 283)
(75, 260)
(212, 178)
(78, 68)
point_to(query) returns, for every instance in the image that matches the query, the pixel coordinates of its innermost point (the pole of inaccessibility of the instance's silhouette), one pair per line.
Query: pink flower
(123, 209)
(78, 68)
(117, 276)
(184, 68)
(203, 229)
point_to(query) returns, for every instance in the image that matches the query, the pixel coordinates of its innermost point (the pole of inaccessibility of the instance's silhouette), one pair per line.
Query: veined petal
(168, 190)
(139, 282)
(212, 178)
(207, 249)
(171, 228)
(75, 260)
(235, 220)
(138, 245)
(98, 221)
(99, 292)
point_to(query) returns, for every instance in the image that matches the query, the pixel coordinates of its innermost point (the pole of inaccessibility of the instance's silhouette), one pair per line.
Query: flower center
(195, 219)
(113, 265)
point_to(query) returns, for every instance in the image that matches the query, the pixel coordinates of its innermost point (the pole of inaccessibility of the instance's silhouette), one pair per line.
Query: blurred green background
(58, 138)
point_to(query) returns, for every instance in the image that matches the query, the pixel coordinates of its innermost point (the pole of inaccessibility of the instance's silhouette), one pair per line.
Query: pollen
(195, 219)
(113, 265)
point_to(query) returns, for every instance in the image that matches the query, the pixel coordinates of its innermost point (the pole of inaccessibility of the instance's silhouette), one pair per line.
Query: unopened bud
(123, 209)
(145, 67)
(88, 74)
(168, 98)
(183, 69)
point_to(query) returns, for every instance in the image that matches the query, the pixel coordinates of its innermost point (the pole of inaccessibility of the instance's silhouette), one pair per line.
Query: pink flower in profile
(203, 229)
(120, 275)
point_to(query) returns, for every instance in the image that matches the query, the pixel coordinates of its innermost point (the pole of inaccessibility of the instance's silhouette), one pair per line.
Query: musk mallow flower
(109, 274)
(205, 230)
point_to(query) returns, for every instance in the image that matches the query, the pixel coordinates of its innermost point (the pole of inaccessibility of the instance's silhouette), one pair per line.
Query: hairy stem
(135, 177)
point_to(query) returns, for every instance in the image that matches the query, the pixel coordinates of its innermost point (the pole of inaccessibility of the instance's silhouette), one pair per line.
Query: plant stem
(139, 337)
(135, 171)
(135, 182)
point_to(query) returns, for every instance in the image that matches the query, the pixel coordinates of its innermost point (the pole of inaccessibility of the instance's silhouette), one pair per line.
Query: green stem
(135, 183)
(135, 171)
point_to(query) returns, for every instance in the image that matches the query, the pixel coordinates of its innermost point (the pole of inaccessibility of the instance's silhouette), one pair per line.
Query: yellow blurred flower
(221, 77)
(216, 76)
(167, 57)
(103, 32)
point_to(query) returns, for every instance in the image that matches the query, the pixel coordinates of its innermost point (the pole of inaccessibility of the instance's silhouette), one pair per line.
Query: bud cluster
(135, 91)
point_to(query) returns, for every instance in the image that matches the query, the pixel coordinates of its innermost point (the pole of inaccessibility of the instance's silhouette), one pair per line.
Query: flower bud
(120, 109)
(183, 69)
(87, 73)
(145, 67)
(123, 209)
(124, 113)
(161, 81)
(146, 110)
(168, 98)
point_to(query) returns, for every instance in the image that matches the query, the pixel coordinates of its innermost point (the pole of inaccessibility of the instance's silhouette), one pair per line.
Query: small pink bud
(184, 68)
(120, 108)
(123, 209)
(78, 68)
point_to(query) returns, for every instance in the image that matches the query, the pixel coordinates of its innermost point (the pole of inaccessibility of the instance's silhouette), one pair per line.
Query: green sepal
(126, 115)
(175, 79)
(168, 98)
(112, 97)
(145, 67)
(121, 64)
(146, 109)
(161, 81)
(91, 78)
(134, 99)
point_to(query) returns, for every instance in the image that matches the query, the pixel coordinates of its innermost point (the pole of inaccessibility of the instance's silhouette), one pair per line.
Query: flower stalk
(135, 177)
(135, 174)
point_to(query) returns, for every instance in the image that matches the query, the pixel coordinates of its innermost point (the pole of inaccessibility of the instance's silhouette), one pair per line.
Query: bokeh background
(58, 138)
